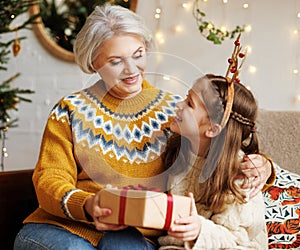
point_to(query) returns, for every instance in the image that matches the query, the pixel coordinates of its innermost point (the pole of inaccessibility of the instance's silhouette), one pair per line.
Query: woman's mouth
(130, 80)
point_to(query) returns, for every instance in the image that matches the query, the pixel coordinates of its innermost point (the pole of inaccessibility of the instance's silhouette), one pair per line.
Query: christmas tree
(10, 97)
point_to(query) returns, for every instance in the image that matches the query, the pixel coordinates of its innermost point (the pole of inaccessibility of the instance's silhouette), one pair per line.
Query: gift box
(142, 208)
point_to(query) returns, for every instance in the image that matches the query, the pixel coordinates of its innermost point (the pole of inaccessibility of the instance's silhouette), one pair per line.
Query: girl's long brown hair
(222, 162)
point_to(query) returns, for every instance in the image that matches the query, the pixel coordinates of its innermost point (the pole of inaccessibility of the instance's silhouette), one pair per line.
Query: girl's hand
(258, 169)
(93, 208)
(187, 229)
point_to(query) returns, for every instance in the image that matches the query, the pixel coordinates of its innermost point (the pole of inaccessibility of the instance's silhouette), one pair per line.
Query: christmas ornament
(16, 47)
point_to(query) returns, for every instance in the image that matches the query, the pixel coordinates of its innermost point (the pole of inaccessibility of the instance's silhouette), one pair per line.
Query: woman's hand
(187, 229)
(93, 208)
(258, 169)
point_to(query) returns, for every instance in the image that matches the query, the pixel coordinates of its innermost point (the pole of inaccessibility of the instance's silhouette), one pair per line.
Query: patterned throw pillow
(283, 210)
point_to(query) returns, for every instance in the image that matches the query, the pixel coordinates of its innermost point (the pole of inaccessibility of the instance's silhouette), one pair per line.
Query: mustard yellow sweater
(92, 139)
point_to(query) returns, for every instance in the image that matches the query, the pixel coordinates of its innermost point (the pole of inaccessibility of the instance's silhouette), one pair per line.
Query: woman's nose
(130, 66)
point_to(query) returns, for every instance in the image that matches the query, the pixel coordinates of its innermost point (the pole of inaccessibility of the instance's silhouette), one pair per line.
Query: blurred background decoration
(61, 20)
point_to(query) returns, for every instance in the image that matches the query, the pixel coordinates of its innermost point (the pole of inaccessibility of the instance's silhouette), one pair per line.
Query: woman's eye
(190, 103)
(115, 62)
(139, 54)
(187, 101)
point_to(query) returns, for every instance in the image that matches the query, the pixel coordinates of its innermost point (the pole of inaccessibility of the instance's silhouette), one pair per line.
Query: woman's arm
(55, 175)
(259, 168)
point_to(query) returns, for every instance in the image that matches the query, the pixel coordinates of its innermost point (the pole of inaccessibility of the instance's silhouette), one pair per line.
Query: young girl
(223, 215)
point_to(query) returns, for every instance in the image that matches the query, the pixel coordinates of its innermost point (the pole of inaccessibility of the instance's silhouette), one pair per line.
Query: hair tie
(253, 129)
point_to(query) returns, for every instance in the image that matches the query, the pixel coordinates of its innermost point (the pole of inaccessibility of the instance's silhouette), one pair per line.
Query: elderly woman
(112, 132)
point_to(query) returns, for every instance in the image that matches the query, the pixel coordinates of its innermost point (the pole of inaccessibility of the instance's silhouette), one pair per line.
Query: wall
(275, 53)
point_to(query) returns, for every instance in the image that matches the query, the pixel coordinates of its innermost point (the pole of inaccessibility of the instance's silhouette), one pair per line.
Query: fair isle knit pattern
(127, 136)
(89, 137)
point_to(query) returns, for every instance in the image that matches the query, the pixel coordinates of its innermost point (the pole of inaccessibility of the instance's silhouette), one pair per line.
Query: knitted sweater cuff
(76, 203)
(270, 182)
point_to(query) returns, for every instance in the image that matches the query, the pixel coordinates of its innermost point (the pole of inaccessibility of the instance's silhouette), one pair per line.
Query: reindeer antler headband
(234, 69)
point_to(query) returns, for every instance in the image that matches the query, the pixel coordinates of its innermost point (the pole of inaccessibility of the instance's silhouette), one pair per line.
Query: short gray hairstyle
(102, 24)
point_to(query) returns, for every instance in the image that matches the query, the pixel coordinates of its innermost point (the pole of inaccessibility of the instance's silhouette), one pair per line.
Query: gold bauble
(16, 47)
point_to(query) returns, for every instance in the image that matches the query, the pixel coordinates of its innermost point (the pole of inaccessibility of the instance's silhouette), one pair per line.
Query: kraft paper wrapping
(146, 209)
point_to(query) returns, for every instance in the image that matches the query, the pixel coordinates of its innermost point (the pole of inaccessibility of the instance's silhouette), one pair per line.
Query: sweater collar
(142, 100)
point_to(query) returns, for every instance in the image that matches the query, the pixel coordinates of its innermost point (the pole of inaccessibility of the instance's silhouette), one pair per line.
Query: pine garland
(208, 28)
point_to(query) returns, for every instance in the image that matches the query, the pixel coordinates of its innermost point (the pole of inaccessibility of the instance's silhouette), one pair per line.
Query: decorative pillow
(283, 210)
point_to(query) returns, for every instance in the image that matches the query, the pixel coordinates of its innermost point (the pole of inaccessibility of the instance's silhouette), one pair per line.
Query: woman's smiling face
(121, 64)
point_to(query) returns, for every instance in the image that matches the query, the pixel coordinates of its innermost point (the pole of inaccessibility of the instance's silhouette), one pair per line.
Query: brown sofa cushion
(279, 137)
(17, 201)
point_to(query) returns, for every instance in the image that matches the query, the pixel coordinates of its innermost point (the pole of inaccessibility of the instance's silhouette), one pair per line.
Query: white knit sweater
(239, 226)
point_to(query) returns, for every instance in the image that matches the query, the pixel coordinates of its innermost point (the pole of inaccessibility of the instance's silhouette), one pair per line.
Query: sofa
(279, 137)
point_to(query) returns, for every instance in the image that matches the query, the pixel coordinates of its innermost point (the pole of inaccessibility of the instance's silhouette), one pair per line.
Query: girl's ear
(213, 131)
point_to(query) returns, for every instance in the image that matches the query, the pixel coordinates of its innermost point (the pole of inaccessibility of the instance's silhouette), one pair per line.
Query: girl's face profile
(121, 63)
(191, 119)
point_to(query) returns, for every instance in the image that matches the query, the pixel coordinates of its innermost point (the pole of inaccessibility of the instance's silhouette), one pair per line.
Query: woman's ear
(213, 131)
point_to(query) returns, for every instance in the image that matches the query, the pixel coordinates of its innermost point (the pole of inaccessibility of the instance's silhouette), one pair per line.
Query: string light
(210, 26)
(178, 28)
(252, 69)
(245, 6)
(186, 5)
(248, 28)
(157, 13)
(159, 37)
(249, 49)
(223, 29)
(5, 154)
(295, 70)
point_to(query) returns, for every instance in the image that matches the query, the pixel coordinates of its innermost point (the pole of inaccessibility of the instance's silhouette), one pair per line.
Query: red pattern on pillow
(283, 210)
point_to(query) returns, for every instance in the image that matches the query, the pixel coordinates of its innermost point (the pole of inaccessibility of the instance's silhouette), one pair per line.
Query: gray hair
(102, 24)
